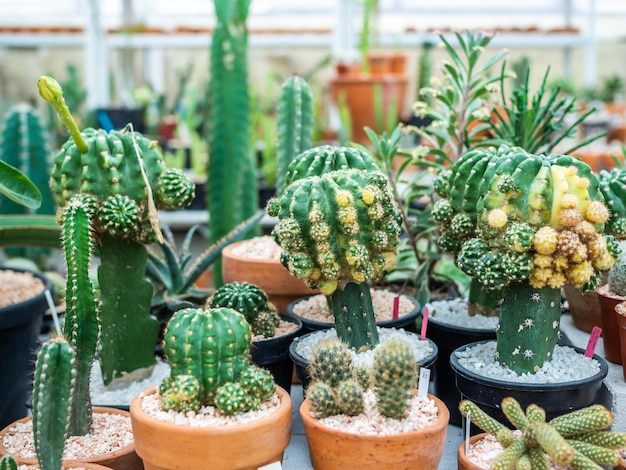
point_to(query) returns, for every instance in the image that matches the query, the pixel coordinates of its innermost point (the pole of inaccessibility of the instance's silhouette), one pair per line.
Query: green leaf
(16, 186)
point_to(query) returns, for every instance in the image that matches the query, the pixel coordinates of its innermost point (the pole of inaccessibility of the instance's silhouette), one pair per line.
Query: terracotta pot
(88, 466)
(379, 64)
(398, 63)
(270, 275)
(463, 462)
(165, 446)
(584, 308)
(333, 449)
(123, 459)
(608, 302)
(621, 325)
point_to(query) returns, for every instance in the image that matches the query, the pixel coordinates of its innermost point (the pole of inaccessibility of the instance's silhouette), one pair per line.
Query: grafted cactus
(338, 231)
(52, 395)
(577, 439)
(294, 120)
(121, 175)
(249, 300)
(524, 225)
(208, 352)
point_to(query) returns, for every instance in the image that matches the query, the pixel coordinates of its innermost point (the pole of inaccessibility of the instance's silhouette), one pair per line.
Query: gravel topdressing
(454, 312)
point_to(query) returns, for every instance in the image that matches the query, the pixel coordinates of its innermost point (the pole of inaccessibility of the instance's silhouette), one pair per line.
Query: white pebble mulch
(454, 312)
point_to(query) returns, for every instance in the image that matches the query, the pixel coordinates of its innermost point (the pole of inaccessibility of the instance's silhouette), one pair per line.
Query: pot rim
(604, 291)
(228, 251)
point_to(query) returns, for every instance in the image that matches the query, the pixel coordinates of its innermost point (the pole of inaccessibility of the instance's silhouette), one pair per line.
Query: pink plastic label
(593, 341)
(396, 307)
(424, 324)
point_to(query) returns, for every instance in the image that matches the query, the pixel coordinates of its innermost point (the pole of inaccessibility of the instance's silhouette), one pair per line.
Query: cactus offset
(124, 176)
(294, 120)
(8, 463)
(338, 231)
(577, 439)
(208, 352)
(331, 362)
(52, 395)
(524, 225)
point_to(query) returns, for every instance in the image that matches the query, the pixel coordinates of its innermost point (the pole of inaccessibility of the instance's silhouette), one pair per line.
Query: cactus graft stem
(354, 315)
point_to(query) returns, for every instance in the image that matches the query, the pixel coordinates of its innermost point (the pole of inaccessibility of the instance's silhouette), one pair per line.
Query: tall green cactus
(52, 395)
(339, 231)
(577, 439)
(232, 180)
(525, 224)
(294, 122)
(123, 176)
(208, 352)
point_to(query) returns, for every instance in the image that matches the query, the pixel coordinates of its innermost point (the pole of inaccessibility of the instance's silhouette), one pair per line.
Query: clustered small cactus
(525, 225)
(617, 276)
(577, 439)
(208, 352)
(337, 385)
(338, 227)
(249, 300)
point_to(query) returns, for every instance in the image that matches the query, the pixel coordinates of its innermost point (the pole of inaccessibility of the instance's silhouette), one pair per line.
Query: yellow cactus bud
(369, 195)
(569, 218)
(597, 213)
(579, 255)
(596, 247)
(567, 242)
(557, 280)
(545, 240)
(539, 277)
(585, 230)
(580, 274)
(328, 286)
(316, 216)
(604, 262)
(542, 261)
(497, 218)
(347, 216)
(316, 273)
(569, 201)
(344, 198)
(560, 262)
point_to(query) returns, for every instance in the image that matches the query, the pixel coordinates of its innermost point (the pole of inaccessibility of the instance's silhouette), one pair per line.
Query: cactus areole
(526, 225)
(339, 229)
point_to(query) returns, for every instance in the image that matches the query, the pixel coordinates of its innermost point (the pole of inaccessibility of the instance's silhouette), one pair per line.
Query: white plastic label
(424, 381)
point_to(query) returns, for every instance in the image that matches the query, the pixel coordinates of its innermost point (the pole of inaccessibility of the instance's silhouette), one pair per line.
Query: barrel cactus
(577, 439)
(338, 227)
(524, 225)
(208, 352)
(122, 177)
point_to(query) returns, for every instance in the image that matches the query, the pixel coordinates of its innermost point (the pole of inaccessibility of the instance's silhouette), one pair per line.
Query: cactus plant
(338, 227)
(617, 276)
(295, 124)
(208, 352)
(232, 180)
(8, 463)
(123, 176)
(249, 300)
(613, 187)
(525, 224)
(577, 439)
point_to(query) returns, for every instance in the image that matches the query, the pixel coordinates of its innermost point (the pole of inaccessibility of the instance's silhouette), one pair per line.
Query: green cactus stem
(354, 314)
(8, 463)
(52, 394)
(394, 375)
(81, 318)
(294, 116)
(613, 187)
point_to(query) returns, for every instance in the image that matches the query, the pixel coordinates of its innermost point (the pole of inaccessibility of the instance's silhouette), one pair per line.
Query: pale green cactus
(7, 462)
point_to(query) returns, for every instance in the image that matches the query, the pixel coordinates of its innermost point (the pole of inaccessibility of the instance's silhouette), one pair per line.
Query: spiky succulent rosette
(526, 225)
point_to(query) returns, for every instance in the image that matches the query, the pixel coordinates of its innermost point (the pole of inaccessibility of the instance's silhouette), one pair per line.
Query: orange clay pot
(271, 276)
(583, 308)
(463, 462)
(608, 302)
(69, 466)
(246, 446)
(332, 449)
(123, 459)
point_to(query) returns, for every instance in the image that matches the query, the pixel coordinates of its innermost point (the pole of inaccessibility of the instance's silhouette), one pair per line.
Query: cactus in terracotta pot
(123, 178)
(524, 225)
(208, 352)
(577, 439)
(338, 226)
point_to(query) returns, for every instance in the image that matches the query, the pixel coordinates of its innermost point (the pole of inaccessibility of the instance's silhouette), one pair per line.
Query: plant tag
(468, 423)
(424, 381)
(53, 311)
(593, 341)
(424, 324)
(396, 307)
(272, 466)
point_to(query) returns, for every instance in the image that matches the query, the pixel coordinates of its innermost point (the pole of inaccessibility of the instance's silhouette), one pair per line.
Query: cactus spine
(52, 394)
(525, 225)
(338, 227)
(123, 178)
(294, 122)
(577, 439)
(232, 179)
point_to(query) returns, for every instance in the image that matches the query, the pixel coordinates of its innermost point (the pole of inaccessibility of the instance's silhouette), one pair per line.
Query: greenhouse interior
(347, 234)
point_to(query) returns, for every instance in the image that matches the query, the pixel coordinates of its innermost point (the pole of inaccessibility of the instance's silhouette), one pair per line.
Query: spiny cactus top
(577, 439)
(513, 216)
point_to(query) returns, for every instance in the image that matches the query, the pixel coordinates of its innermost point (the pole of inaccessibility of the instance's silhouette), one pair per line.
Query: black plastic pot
(273, 354)
(406, 322)
(302, 363)
(448, 338)
(20, 325)
(555, 399)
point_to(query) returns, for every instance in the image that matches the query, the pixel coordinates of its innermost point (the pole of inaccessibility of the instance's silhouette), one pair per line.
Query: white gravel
(258, 248)
(454, 312)
(566, 365)
(422, 349)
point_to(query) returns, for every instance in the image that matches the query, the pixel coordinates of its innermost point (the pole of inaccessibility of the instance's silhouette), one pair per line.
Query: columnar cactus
(52, 395)
(525, 224)
(577, 439)
(123, 177)
(294, 116)
(208, 352)
(339, 228)
(249, 300)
